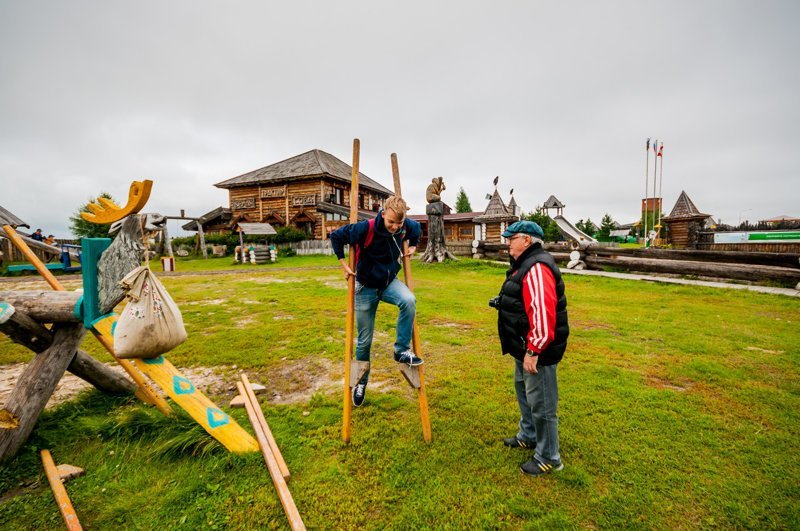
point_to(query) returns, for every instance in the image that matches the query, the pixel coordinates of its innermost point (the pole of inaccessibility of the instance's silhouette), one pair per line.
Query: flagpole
(661, 186)
(646, 188)
(655, 176)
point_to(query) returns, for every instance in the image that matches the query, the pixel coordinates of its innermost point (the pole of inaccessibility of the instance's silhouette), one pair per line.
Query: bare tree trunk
(436, 250)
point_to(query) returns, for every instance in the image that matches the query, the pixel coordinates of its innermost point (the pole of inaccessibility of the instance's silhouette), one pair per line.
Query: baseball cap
(531, 228)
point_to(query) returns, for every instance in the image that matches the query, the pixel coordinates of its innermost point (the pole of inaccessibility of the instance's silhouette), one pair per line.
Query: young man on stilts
(533, 328)
(379, 244)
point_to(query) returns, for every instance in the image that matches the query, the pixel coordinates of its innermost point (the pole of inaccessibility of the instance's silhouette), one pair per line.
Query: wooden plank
(36, 384)
(60, 493)
(183, 392)
(289, 507)
(251, 396)
(103, 331)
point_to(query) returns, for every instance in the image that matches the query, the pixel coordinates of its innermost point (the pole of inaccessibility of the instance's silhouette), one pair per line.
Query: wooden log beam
(728, 257)
(23, 330)
(44, 306)
(36, 385)
(749, 272)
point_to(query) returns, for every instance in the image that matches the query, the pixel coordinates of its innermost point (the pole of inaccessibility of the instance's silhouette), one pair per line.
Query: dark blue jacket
(379, 263)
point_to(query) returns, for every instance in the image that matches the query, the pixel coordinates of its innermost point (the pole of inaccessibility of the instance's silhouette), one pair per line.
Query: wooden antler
(106, 211)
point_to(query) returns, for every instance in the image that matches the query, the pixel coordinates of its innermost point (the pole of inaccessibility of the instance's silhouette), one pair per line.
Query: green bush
(284, 235)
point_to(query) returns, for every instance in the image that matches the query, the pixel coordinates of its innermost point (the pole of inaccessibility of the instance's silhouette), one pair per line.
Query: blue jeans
(537, 395)
(367, 300)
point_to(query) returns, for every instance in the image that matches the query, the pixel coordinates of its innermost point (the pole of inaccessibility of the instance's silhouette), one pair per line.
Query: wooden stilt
(351, 292)
(295, 521)
(423, 396)
(60, 493)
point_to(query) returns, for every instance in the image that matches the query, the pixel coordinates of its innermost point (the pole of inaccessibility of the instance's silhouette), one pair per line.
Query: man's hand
(410, 251)
(529, 364)
(346, 268)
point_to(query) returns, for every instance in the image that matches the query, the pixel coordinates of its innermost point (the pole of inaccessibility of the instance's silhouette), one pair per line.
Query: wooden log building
(310, 192)
(684, 223)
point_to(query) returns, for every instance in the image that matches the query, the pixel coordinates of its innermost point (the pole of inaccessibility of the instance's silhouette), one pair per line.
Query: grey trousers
(537, 395)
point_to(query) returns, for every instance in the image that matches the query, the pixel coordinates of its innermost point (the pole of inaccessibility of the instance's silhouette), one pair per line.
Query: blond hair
(397, 204)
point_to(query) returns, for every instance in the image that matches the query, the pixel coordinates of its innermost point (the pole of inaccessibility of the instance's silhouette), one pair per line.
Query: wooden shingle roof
(684, 208)
(312, 163)
(496, 210)
(553, 202)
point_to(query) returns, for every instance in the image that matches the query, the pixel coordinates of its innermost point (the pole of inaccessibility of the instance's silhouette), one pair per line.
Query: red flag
(661, 150)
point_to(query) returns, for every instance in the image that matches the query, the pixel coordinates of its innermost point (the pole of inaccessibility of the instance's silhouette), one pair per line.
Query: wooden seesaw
(23, 314)
(354, 370)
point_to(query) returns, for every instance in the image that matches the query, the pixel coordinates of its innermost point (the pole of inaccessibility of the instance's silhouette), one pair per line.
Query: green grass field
(679, 408)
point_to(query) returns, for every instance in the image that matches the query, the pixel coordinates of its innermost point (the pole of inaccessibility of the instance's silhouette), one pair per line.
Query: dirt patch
(205, 301)
(450, 324)
(244, 322)
(272, 280)
(763, 350)
(288, 382)
(662, 383)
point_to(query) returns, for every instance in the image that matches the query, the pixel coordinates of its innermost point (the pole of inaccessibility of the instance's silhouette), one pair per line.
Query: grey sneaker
(513, 442)
(407, 357)
(534, 467)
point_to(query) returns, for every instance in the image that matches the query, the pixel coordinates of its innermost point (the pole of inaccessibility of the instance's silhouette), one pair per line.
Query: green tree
(586, 226)
(85, 229)
(606, 226)
(462, 202)
(549, 227)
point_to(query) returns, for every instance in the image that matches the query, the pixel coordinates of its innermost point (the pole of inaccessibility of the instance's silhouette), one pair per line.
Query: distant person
(379, 244)
(38, 236)
(533, 328)
(50, 240)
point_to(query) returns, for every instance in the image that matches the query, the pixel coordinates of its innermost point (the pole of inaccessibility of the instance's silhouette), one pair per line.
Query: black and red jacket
(533, 308)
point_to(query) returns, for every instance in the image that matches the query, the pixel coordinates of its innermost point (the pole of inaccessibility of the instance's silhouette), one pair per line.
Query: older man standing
(533, 328)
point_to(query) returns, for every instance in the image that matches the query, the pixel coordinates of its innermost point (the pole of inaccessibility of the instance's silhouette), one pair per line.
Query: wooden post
(202, 237)
(251, 396)
(417, 344)
(295, 521)
(59, 492)
(351, 292)
(167, 242)
(36, 384)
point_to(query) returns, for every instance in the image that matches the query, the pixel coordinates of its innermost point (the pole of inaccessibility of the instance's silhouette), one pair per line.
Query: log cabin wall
(493, 232)
(296, 203)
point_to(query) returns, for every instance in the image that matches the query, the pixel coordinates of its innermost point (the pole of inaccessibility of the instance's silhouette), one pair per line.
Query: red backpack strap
(370, 233)
(368, 239)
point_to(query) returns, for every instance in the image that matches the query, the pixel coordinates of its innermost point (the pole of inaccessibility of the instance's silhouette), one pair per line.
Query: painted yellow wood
(106, 211)
(183, 392)
(103, 331)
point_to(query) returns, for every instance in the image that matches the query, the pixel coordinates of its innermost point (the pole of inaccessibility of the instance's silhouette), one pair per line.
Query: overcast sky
(554, 97)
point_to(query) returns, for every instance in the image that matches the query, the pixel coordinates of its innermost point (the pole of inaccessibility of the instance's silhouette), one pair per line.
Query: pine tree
(606, 226)
(462, 202)
(85, 229)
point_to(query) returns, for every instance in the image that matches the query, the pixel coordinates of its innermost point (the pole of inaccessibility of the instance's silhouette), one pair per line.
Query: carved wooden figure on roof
(435, 189)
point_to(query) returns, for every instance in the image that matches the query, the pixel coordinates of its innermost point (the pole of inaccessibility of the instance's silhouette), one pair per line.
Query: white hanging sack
(151, 323)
